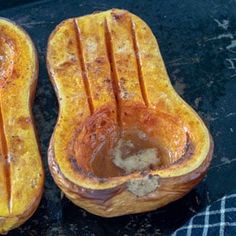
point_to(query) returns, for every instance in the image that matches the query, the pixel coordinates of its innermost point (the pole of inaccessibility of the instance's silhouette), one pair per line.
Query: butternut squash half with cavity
(21, 172)
(124, 142)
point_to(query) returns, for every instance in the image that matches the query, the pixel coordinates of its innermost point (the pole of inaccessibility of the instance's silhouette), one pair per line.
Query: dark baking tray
(197, 41)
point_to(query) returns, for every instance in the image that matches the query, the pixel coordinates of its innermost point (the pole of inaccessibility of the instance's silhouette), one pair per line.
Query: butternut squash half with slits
(124, 142)
(21, 172)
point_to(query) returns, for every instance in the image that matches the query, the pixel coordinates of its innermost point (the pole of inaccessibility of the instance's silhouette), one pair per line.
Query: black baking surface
(197, 40)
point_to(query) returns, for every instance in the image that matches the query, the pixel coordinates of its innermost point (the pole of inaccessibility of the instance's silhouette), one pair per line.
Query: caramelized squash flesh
(123, 136)
(101, 142)
(21, 173)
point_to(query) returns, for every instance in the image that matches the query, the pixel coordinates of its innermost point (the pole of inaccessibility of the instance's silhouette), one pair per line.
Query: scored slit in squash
(124, 142)
(21, 172)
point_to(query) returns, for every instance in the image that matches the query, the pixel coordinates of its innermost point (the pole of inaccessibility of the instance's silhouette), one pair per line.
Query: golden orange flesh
(111, 81)
(21, 172)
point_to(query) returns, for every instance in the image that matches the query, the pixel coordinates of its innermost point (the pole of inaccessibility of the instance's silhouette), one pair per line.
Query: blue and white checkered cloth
(217, 219)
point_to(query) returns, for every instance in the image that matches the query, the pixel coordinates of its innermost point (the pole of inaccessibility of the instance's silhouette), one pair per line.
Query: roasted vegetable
(21, 172)
(124, 142)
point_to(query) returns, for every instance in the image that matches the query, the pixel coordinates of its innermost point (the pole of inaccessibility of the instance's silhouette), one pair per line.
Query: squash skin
(23, 155)
(111, 197)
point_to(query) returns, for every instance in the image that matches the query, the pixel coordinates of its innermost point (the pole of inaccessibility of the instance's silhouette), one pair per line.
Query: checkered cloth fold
(217, 219)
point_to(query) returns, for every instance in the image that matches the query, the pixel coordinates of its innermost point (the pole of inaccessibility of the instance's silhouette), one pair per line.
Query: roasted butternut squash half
(125, 142)
(21, 172)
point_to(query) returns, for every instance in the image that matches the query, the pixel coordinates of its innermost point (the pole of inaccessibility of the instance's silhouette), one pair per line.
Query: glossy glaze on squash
(111, 81)
(21, 172)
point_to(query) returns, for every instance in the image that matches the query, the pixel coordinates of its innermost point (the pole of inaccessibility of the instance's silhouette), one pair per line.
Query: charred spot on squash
(24, 122)
(119, 16)
(144, 141)
(18, 145)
